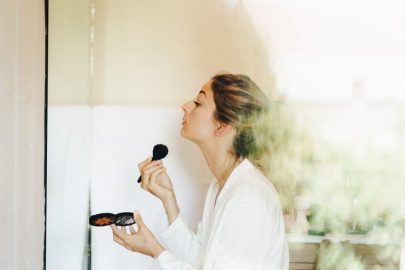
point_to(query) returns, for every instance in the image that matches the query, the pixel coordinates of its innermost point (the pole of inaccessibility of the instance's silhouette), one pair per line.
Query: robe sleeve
(183, 244)
(168, 261)
(250, 226)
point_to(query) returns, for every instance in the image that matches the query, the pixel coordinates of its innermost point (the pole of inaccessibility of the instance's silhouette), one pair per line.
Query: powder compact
(106, 219)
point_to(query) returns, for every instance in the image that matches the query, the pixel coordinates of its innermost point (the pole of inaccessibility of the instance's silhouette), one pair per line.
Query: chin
(182, 132)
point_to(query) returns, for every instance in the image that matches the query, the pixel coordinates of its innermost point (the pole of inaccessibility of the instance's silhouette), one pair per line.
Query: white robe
(244, 229)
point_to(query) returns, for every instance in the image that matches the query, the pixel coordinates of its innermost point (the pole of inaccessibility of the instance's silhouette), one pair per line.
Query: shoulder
(254, 198)
(254, 186)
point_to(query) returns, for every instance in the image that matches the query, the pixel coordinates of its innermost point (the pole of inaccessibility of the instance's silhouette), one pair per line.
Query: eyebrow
(202, 92)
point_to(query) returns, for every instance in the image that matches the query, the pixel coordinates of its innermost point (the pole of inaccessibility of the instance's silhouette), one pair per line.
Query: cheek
(202, 123)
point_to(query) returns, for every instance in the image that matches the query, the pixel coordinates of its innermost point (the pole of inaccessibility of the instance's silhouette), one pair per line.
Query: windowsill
(352, 238)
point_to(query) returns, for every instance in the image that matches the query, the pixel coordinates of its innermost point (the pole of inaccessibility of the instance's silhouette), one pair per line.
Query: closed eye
(196, 103)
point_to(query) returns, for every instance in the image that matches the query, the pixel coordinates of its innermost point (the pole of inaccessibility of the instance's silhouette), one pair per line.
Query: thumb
(138, 219)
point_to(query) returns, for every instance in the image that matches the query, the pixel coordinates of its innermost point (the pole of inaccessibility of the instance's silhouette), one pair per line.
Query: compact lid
(102, 219)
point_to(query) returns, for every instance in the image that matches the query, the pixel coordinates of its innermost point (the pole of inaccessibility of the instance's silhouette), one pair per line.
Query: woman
(242, 225)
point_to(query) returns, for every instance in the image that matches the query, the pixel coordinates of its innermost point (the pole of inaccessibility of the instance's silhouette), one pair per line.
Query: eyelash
(196, 103)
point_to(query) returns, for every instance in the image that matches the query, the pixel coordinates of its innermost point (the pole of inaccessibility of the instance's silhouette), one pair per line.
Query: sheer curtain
(22, 89)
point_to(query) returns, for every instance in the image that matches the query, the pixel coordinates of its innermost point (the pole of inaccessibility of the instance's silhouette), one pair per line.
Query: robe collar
(239, 170)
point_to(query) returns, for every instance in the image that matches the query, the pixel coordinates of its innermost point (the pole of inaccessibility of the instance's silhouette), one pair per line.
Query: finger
(152, 185)
(118, 241)
(143, 163)
(144, 181)
(148, 169)
(152, 164)
(116, 238)
(156, 173)
(146, 175)
(138, 219)
(124, 229)
(153, 180)
(119, 234)
(132, 229)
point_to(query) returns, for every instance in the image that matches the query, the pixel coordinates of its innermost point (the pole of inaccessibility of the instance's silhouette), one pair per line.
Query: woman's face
(198, 122)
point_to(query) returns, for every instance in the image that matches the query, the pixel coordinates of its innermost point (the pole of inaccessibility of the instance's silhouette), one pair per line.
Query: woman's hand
(142, 241)
(156, 181)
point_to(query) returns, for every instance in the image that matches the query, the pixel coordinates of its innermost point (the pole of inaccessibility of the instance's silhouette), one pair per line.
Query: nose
(186, 106)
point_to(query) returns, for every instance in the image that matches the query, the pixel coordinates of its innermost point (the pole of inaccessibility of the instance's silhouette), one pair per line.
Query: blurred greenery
(354, 188)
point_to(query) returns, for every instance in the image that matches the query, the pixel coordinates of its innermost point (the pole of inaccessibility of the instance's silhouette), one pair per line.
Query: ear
(223, 129)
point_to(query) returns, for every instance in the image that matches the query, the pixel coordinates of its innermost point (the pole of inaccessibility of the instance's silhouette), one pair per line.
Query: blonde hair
(242, 104)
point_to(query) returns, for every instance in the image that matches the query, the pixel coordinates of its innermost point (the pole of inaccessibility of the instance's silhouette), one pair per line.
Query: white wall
(69, 131)
(149, 53)
(99, 148)
(22, 88)
(149, 58)
(121, 138)
(162, 52)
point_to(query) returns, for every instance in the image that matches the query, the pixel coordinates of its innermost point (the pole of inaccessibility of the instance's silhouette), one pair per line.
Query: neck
(220, 162)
